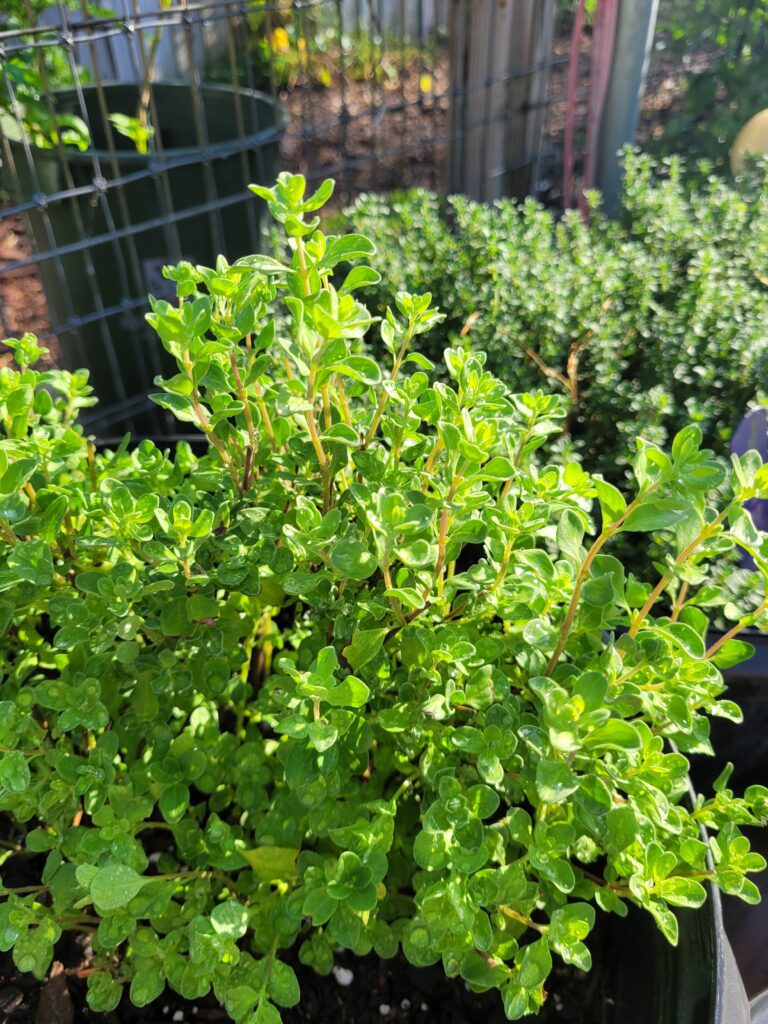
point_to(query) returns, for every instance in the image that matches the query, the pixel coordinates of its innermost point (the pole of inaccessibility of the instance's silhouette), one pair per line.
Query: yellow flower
(281, 41)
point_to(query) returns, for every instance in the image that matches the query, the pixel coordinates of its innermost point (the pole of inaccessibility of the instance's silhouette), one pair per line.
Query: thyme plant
(625, 318)
(363, 673)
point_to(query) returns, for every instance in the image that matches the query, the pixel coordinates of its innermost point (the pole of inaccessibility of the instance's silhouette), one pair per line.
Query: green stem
(7, 844)
(404, 786)
(242, 395)
(205, 426)
(184, 875)
(314, 433)
(620, 887)
(681, 559)
(734, 630)
(384, 396)
(429, 465)
(341, 394)
(586, 565)
(392, 600)
(7, 533)
(147, 825)
(268, 964)
(23, 890)
(317, 444)
(442, 541)
(504, 567)
(509, 912)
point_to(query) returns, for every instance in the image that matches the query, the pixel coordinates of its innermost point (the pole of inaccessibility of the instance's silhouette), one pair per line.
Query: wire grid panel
(128, 141)
(368, 95)
(115, 178)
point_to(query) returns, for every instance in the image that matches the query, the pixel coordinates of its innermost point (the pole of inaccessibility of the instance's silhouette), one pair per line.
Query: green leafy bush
(646, 324)
(354, 677)
(725, 41)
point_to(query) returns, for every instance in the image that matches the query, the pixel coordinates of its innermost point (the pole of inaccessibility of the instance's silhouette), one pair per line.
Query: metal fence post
(634, 39)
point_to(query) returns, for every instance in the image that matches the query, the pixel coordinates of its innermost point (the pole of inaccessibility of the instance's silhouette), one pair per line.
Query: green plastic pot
(96, 283)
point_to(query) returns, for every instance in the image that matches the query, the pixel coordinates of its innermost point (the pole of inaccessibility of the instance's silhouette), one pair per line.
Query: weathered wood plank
(499, 74)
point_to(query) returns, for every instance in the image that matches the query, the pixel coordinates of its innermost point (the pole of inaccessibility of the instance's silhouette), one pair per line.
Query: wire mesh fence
(128, 138)
(114, 178)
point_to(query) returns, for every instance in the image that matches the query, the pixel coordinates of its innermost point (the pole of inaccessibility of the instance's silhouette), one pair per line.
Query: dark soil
(364, 990)
(393, 990)
(361, 990)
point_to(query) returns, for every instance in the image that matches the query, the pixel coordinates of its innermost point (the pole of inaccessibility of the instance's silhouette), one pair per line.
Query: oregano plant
(358, 671)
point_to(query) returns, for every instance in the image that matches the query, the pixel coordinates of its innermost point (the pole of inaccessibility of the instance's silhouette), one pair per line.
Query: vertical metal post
(634, 38)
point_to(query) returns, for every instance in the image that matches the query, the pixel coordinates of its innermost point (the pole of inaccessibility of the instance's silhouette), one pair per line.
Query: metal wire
(367, 88)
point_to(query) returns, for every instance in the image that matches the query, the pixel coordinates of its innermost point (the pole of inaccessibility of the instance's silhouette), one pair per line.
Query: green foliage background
(647, 323)
(730, 38)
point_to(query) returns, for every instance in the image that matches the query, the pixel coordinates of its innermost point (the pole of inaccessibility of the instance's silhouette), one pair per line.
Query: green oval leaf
(114, 885)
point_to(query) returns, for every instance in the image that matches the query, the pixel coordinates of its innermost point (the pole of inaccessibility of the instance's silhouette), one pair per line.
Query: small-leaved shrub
(646, 324)
(364, 674)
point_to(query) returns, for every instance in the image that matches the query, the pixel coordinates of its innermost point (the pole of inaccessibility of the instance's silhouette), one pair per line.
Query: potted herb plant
(352, 679)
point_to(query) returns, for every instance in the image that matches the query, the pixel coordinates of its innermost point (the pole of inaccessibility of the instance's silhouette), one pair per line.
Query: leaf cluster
(361, 673)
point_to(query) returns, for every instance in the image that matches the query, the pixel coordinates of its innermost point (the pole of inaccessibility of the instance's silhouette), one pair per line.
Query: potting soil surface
(365, 990)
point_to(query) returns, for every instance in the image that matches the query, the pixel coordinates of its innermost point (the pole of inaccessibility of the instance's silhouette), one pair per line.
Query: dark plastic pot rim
(254, 140)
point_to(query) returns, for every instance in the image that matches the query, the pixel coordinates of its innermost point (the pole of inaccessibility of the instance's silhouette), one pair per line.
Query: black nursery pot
(696, 982)
(745, 745)
(111, 245)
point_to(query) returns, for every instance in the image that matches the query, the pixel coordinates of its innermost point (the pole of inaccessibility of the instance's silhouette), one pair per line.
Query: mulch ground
(371, 137)
(22, 301)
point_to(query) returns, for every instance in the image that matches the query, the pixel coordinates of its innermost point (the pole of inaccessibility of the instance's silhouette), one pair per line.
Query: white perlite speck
(343, 976)
(384, 1009)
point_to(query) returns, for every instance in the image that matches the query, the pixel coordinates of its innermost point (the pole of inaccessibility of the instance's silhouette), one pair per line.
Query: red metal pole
(603, 45)
(570, 116)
